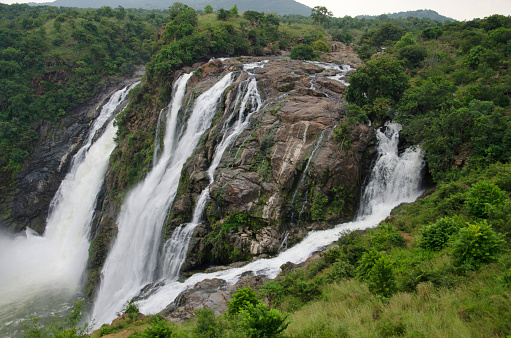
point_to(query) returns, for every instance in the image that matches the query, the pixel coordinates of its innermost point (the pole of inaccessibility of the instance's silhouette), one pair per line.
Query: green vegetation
(54, 59)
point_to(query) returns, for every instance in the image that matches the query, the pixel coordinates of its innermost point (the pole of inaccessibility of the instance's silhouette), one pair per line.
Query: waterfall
(37, 270)
(390, 179)
(398, 186)
(132, 261)
(177, 246)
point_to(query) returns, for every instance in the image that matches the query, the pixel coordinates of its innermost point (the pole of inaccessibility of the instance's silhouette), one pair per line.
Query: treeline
(52, 59)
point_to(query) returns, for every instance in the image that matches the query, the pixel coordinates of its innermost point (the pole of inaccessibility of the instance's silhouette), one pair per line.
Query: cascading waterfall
(386, 183)
(399, 186)
(42, 270)
(177, 246)
(132, 261)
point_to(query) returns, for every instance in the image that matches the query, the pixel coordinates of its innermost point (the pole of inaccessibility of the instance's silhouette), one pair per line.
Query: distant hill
(281, 7)
(420, 13)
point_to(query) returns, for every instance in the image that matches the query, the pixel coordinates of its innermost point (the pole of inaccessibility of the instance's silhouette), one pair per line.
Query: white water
(177, 246)
(132, 261)
(402, 185)
(35, 270)
(338, 71)
(248, 67)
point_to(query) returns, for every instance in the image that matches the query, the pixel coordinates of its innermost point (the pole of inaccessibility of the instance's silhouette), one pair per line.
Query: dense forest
(54, 59)
(437, 267)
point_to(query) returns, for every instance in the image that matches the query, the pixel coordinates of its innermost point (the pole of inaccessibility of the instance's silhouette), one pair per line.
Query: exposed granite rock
(212, 294)
(263, 174)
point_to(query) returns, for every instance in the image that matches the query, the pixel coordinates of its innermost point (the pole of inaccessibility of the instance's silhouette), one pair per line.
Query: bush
(382, 76)
(261, 321)
(207, 324)
(476, 244)
(159, 329)
(242, 299)
(303, 52)
(273, 291)
(377, 270)
(321, 45)
(436, 236)
(413, 55)
(482, 197)
(131, 309)
(382, 281)
(339, 270)
(387, 237)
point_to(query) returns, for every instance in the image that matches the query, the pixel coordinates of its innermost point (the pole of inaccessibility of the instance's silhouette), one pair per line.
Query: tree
(303, 52)
(223, 14)
(208, 9)
(321, 14)
(382, 76)
(234, 11)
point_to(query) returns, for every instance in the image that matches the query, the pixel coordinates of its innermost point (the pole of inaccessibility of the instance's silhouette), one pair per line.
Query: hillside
(420, 14)
(268, 6)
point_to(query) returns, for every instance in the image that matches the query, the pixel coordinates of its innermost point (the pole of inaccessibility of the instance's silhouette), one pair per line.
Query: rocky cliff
(40, 177)
(285, 175)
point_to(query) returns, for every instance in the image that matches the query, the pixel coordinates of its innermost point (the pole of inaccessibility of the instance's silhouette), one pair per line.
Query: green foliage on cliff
(447, 84)
(54, 59)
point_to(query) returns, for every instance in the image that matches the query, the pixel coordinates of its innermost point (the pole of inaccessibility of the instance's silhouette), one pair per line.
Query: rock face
(284, 175)
(48, 164)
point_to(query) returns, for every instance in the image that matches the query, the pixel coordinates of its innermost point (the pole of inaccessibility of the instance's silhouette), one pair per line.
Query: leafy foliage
(475, 244)
(261, 321)
(484, 196)
(241, 300)
(436, 235)
(382, 77)
(303, 52)
(159, 328)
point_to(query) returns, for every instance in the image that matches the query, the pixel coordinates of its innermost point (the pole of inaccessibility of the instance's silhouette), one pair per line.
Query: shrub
(159, 329)
(339, 270)
(131, 309)
(387, 237)
(273, 291)
(303, 52)
(382, 281)
(435, 236)
(376, 269)
(413, 55)
(242, 299)
(476, 244)
(482, 197)
(261, 321)
(207, 324)
(321, 45)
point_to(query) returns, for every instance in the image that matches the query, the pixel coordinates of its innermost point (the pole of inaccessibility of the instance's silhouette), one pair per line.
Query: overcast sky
(456, 9)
